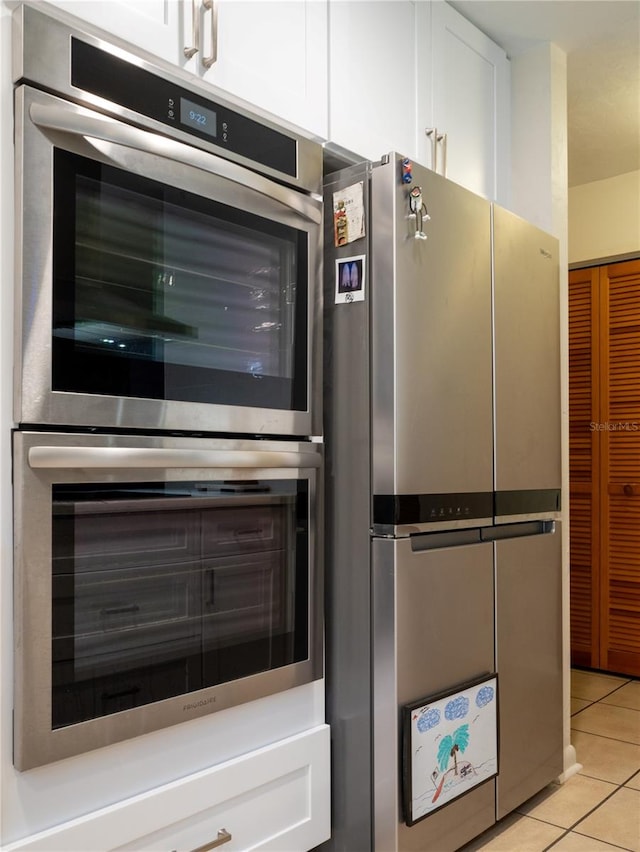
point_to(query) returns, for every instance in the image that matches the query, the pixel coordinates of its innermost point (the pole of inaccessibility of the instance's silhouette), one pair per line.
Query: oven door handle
(90, 458)
(53, 117)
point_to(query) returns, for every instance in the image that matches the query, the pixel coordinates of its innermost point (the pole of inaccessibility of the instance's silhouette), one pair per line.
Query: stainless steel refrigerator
(442, 425)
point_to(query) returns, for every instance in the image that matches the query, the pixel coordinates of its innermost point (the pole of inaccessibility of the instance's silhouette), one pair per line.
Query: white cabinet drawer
(275, 798)
(259, 818)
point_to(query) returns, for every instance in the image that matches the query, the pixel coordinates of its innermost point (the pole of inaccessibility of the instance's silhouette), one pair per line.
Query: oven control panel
(108, 76)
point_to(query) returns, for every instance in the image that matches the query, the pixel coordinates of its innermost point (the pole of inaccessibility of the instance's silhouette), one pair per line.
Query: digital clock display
(198, 117)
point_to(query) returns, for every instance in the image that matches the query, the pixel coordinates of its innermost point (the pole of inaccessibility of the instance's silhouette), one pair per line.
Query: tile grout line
(618, 787)
(605, 737)
(584, 816)
(604, 781)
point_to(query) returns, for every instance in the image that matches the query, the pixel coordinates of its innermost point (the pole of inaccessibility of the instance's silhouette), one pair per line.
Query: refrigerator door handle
(435, 541)
(517, 530)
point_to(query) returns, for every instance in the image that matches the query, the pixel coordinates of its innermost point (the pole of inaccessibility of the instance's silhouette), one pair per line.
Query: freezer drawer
(433, 628)
(529, 663)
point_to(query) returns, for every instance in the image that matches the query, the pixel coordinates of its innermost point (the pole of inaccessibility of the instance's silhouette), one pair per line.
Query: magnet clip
(418, 211)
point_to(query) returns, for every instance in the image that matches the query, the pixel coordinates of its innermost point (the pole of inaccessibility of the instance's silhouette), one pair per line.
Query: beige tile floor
(599, 808)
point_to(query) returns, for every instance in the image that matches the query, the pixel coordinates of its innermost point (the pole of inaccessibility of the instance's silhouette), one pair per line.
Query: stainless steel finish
(442, 139)
(101, 458)
(518, 530)
(42, 56)
(529, 663)
(212, 8)
(431, 303)
(224, 836)
(530, 516)
(34, 400)
(82, 123)
(361, 344)
(34, 741)
(409, 402)
(347, 432)
(432, 133)
(432, 628)
(191, 50)
(527, 355)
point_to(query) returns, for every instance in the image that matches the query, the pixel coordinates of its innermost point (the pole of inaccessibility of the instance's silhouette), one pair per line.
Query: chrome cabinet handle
(54, 117)
(224, 836)
(99, 458)
(212, 7)
(195, 31)
(432, 133)
(442, 137)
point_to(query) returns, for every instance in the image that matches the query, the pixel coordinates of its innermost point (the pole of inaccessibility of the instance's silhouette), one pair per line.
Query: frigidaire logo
(202, 703)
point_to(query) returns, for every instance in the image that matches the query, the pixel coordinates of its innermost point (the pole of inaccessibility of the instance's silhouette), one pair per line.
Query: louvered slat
(620, 556)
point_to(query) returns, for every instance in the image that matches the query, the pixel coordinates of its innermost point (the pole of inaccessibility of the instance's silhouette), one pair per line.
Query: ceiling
(602, 42)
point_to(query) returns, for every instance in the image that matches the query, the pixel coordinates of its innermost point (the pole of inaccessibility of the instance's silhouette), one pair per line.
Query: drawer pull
(125, 693)
(120, 610)
(224, 836)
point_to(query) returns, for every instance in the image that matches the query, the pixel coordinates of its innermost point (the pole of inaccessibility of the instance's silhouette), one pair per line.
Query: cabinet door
(372, 77)
(274, 798)
(150, 24)
(272, 53)
(470, 104)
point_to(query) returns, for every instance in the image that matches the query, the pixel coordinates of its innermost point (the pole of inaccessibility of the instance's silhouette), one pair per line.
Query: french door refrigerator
(443, 476)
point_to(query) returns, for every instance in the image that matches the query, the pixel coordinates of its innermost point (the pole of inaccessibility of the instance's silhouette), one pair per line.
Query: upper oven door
(161, 287)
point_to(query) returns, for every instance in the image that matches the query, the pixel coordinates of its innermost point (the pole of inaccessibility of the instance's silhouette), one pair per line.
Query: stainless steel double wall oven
(167, 461)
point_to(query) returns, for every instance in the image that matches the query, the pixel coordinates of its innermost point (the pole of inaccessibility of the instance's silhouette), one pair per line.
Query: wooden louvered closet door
(604, 447)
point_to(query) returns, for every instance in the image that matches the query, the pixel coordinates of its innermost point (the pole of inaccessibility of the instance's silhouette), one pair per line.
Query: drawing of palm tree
(451, 745)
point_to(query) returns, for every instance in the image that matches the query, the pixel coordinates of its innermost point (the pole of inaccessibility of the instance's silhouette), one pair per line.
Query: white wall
(604, 218)
(540, 194)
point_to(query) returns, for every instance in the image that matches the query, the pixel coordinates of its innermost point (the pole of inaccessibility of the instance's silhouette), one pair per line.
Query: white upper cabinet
(150, 24)
(463, 102)
(398, 69)
(271, 53)
(372, 76)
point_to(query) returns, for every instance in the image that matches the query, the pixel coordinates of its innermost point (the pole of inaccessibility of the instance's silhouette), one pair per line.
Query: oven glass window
(162, 294)
(162, 589)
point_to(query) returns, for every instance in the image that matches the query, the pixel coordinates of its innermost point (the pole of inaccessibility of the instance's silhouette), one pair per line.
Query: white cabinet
(464, 102)
(275, 798)
(372, 76)
(399, 68)
(150, 24)
(271, 53)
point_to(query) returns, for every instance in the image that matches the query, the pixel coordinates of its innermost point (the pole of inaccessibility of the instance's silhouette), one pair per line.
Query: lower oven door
(157, 580)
